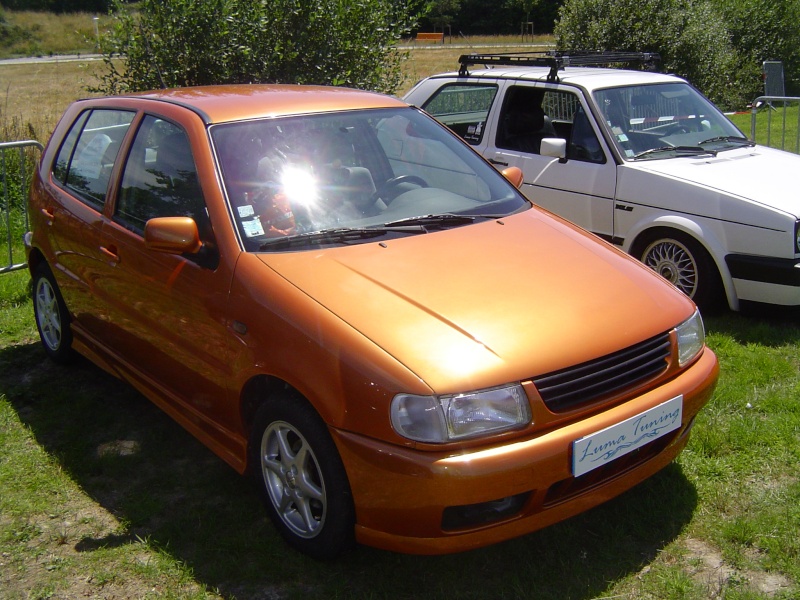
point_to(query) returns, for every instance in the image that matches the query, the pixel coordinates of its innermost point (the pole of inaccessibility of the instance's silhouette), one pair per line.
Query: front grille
(582, 384)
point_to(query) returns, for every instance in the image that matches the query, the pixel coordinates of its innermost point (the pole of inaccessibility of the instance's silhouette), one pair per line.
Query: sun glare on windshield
(300, 186)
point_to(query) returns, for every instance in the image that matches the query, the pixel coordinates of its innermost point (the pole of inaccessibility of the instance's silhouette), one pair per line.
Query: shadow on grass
(758, 324)
(170, 490)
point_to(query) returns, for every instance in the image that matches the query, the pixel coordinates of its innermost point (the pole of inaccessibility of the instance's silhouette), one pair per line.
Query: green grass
(33, 33)
(776, 127)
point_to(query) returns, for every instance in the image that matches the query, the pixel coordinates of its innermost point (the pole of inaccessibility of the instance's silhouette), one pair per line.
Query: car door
(168, 312)
(580, 187)
(80, 177)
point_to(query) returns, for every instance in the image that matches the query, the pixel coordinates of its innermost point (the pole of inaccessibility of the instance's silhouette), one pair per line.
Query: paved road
(420, 46)
(50, 59)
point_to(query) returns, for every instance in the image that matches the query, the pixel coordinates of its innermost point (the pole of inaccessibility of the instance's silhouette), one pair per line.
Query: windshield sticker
(617, 131)
(252, 227)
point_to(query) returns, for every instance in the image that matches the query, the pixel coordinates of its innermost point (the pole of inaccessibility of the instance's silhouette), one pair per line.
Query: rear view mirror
(173, 235)
(514, 175)
(554, 148)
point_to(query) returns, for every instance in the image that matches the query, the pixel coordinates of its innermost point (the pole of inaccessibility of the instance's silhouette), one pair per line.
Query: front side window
(351, 177)
(463, 108)
(160, 179)
(86, 158)
(531, 114)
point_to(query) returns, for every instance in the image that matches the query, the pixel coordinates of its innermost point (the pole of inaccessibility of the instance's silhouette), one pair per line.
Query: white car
(641, 159)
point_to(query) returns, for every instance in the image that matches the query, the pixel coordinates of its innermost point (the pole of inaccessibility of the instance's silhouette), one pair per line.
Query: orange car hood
(488, 303)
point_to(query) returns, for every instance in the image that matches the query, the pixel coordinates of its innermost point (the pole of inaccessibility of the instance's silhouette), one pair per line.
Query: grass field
(103, 496)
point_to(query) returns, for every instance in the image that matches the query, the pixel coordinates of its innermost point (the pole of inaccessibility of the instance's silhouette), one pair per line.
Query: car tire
(684, 262)
(301, 478)
(51, 315)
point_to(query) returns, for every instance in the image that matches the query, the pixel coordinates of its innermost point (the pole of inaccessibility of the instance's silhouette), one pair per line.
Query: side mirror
(173, 235)
(554, 148)
(514, 175)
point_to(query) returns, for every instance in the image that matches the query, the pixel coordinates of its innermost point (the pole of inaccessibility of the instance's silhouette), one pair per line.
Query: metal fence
(782, 115)
(16, 166)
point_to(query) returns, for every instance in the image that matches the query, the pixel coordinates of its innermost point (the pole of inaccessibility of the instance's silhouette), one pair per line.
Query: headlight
(438, 419)
(691, 338)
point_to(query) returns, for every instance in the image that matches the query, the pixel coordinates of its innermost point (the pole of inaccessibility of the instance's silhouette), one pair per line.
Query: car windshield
(665, 120)
(353, 177)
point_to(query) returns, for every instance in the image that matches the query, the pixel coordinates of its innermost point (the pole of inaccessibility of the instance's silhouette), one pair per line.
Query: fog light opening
(471, 515)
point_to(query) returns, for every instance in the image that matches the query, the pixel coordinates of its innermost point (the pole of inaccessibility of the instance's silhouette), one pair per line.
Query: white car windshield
(665, 120)
(351, 177)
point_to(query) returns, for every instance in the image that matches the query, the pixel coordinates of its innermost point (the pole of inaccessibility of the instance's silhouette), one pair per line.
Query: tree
(442, 12)
(690, 36)
(764, 31)
(199, 42)
(526, 6)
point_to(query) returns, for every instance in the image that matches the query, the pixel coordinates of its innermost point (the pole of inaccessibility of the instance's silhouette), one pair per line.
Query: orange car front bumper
(406, 499)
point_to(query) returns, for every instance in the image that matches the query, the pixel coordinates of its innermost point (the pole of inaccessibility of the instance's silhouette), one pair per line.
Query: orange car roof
(218, 104)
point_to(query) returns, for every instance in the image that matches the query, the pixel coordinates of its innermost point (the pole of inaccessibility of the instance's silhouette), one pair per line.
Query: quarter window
(87, 156)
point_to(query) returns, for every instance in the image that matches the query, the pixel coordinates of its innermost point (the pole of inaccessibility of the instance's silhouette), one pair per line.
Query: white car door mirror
(553, 147)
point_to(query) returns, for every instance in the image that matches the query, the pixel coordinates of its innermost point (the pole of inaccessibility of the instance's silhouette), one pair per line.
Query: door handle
(49, 213)
(494, 161)
(110, 253)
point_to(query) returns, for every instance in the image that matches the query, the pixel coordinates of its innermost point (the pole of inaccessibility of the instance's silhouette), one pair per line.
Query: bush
(691, 38)
(764, 31)
(200, 42)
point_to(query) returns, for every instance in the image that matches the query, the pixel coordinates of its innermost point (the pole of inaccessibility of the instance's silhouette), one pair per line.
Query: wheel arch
(256, 392)
(644, 232)
(35, 258)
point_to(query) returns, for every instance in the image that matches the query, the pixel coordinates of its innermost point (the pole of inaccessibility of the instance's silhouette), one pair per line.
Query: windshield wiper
(681, 150)
(729, 138)
(334, 236)
(441, 220)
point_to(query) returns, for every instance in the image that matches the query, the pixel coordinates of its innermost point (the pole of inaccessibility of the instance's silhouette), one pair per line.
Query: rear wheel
(686, 264)
(301, 478)
(52, 318)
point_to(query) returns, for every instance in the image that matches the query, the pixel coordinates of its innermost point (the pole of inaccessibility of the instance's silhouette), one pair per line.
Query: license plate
(595, 450)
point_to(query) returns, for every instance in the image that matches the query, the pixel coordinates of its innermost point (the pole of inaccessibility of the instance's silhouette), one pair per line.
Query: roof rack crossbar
(557, 61)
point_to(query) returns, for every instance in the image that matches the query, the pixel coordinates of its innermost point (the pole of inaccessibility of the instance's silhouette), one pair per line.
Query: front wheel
(301, 478)
(686, 264)
(52, 318)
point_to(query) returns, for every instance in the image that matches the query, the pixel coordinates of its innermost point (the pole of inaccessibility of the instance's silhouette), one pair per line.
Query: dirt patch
(717, 576)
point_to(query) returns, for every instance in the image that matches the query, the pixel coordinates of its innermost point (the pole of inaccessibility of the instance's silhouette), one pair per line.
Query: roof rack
(557, 60)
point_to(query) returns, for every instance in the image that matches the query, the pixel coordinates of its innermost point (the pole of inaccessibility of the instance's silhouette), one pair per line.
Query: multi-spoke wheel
(52, 318)
(301, 478)
(686, 264)
(293, 479)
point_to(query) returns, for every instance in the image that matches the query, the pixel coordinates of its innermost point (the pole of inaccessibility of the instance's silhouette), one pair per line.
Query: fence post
(767, 101)
(22, 177)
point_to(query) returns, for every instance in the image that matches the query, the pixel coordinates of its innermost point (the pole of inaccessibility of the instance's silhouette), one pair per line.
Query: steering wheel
(676, 128)
(381, 192)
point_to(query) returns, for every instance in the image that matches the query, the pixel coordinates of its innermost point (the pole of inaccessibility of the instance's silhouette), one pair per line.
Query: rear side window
(463, 108)
(86, 158)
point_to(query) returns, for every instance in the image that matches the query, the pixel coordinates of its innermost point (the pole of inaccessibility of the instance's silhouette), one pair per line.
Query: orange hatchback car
(335, 293)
